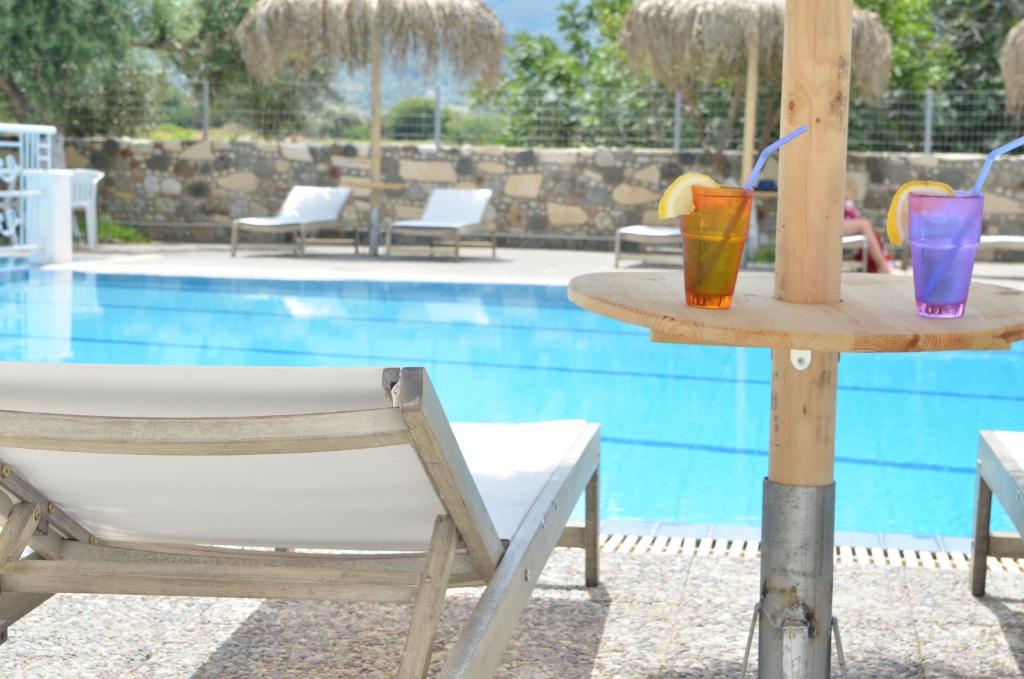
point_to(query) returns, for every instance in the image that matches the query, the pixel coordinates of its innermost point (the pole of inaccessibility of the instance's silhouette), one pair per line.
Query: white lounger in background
(664, 242)
(119, 477)
(305, 210)
(454, 216)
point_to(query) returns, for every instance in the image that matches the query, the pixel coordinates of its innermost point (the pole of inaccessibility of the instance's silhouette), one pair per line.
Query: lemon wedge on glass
(678, 197)
(897, 223)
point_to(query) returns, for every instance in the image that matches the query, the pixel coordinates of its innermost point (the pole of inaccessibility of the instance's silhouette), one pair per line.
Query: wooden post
(798, 521)
(376, 140)
(812, 178)
(749, 109)
(812, 169)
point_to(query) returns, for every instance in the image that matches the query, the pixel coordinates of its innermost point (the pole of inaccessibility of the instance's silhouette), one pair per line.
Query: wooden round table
(876, 313)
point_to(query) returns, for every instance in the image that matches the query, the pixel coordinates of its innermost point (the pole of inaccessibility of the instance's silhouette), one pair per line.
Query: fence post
(677, 123)
(929, 114)
(437, 115)
(206, 110)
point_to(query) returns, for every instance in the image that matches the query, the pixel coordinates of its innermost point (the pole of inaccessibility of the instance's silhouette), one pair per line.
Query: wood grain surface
(876, 314)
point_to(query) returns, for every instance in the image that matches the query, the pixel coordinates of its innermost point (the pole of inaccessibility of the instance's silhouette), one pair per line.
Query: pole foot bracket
(795, 629)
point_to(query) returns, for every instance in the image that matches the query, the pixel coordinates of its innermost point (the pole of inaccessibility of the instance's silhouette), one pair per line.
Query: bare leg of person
(862, 227)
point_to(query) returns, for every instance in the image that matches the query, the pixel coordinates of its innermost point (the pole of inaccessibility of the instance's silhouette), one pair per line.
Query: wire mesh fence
(967, 121)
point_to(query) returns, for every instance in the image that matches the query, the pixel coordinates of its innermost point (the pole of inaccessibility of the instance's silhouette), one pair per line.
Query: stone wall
(180, 189)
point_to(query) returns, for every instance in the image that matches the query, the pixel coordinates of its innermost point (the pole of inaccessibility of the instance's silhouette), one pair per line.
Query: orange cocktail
(714, 235)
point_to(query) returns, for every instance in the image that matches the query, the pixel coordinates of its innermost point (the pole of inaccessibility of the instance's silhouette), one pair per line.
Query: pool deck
(667, 607)
(512, 265)
(663, 610)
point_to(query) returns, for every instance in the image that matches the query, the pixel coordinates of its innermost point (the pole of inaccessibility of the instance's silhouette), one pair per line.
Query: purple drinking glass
(944, 236)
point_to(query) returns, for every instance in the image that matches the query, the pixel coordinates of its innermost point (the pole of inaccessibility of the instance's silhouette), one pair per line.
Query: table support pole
(797, 538)
(798, 519)
(796, 581)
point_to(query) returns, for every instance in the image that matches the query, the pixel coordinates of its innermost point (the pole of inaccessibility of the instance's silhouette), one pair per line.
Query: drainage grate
(750, 549)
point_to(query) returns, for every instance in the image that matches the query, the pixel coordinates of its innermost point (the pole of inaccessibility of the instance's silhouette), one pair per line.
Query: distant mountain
(401, 81)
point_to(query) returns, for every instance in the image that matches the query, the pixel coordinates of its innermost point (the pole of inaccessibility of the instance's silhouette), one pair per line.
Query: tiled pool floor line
(666, 608)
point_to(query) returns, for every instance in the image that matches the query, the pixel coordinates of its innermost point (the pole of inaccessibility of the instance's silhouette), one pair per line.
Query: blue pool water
(685, 428)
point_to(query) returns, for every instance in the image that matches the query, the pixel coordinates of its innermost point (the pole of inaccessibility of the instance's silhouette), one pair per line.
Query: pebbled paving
(654, 616)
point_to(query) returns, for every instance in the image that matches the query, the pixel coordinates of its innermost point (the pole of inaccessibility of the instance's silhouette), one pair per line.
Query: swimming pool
(684, 428)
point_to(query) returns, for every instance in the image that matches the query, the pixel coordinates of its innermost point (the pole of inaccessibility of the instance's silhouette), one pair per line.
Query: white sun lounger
(454, 216)
(121, 478)
(305, 210)
(1000, 473)
(652, 242)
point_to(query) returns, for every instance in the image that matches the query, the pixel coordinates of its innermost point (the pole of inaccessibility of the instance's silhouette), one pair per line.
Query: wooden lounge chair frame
(464, 549)
(999, 474)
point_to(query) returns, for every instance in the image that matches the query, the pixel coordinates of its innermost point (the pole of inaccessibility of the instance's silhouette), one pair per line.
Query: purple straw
(768, 151)
(991, 158)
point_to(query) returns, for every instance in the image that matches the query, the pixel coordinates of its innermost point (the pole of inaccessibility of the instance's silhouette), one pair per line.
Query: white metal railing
(22, 147)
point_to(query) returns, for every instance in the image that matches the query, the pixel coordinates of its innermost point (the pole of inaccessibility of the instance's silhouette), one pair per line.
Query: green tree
(62, 55)
(920, 58)
(974, 33)
(204, 49)
(583, 92)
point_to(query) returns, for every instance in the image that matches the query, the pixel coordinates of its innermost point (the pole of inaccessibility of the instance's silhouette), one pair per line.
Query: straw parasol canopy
(293, 36)
(687, 44)
(1011, 62)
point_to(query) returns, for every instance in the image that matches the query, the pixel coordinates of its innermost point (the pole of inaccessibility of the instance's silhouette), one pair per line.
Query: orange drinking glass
(713, 238)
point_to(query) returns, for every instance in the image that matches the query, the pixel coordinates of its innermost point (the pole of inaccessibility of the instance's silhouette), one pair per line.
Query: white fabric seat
(258, 499)
(665, 233)
(653, 243)
(450, 214)
(510, 463)
(269, 221)
(997, 242)
(305, 211)
(422, 224)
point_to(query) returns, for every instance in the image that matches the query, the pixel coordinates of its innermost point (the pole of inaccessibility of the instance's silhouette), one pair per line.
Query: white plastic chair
(305, 211)
(450, 214)
(83, 197)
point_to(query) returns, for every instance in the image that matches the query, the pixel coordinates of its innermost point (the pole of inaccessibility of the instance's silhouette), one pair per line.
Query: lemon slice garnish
(678, 197)
(897, 222)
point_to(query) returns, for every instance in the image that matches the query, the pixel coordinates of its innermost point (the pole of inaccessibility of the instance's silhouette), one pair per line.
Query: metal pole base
(795, 615)
(374, 235)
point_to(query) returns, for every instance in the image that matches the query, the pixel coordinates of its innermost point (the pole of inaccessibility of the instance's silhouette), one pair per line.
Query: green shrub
(413, 118)
(476, 128)
(113, 232)
(340, 121)
(172, 132)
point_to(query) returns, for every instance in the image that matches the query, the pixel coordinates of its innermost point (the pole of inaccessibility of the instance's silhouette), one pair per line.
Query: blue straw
(772, 148)
(991, 158)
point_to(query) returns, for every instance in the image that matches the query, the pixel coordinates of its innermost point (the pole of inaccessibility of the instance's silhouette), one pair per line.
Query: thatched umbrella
(689, 43)
(1011, 62)
(291, 36)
